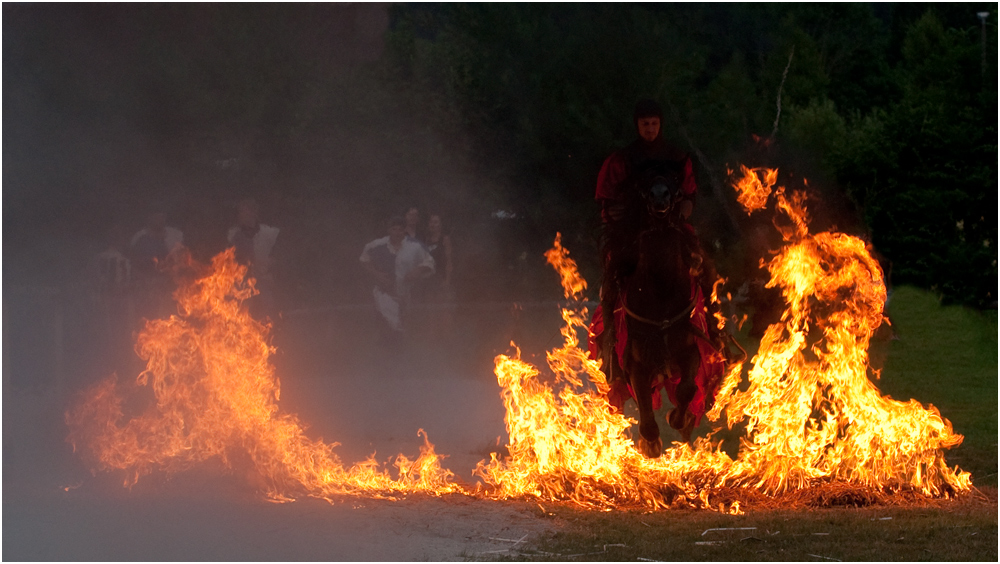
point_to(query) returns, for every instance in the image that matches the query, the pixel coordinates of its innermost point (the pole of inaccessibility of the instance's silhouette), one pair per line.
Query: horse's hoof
(676, 418)
(683, 422)
(651, 449)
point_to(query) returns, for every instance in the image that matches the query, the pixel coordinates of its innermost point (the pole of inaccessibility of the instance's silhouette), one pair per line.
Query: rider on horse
(647, 157)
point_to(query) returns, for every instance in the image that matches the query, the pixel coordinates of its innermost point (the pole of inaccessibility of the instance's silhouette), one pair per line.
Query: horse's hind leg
(650, 443)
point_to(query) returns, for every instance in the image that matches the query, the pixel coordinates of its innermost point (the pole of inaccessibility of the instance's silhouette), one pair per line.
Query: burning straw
(814, 423)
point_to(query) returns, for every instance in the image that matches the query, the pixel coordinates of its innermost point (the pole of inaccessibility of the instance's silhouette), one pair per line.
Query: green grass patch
(946, 356)
(964, 530)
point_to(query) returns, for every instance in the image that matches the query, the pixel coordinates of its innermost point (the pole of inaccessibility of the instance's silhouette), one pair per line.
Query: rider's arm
(689, 188)
(609, 182)
(611, 210)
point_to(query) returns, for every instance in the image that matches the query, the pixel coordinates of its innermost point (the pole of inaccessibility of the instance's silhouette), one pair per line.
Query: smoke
(110, 108)
(113, 111)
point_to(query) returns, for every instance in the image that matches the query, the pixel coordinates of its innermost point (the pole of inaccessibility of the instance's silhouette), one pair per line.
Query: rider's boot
(607, 338)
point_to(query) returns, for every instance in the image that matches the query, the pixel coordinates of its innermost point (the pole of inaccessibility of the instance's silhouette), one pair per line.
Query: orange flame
(811, 411)
(753, 189)
(216, 397)
(812, 415)
(573, 284)
(571, 445)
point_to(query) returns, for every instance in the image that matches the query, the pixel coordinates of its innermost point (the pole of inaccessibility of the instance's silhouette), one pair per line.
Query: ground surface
(374, 400)
(348, 390)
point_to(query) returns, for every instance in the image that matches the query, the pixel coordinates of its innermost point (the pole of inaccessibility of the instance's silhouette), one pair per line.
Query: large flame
(811, 414)
(216, 396)
(811, 411)
(571, 445)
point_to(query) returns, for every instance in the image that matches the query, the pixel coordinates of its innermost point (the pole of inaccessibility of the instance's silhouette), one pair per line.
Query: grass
(945, 356)
(963, 530)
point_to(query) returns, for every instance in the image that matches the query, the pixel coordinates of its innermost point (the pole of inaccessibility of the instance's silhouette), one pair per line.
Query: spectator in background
(437, 290)
(437, 241)
(412, 224)
(148, 250)
(153, 243)
(254, 245)
(395, 263)
(111, 296)
(111, 270)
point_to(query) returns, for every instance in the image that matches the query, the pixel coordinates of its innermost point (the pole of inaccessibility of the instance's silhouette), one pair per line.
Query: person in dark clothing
(438, 243)
(436, 290)
(648, 153)
(622, 173)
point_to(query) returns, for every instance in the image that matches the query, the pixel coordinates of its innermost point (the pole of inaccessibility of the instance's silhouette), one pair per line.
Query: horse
(659, 271)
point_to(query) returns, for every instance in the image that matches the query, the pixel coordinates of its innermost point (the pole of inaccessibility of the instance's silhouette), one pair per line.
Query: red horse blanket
(710, 370)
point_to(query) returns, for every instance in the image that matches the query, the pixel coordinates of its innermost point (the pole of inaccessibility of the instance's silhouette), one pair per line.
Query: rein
(661, 325)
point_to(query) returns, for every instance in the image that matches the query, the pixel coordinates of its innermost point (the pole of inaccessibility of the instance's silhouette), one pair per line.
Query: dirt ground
(370, 400)
(347, 390)
(54, 509)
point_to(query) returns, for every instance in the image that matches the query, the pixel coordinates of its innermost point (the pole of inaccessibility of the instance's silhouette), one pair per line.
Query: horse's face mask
(662, 196)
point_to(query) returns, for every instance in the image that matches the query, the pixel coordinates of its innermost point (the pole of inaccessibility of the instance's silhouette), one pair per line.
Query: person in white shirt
(153, 243)
(254, 243)
(394, 263)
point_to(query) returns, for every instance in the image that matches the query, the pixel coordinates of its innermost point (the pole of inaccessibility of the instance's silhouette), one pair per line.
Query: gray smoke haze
(114, 111)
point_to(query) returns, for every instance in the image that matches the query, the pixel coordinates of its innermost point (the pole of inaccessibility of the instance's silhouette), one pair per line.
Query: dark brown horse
(660, 274)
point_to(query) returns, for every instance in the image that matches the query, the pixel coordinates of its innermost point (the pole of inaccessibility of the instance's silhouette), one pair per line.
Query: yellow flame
(753, 189)
(216, 397)
(811, 414)
(810, 409)
(573, 284)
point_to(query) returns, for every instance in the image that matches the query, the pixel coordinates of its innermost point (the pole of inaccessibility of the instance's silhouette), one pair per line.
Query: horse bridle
(664, 324)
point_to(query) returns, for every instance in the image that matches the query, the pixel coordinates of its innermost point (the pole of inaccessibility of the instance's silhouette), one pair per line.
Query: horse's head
(661, 193)
(662, 196)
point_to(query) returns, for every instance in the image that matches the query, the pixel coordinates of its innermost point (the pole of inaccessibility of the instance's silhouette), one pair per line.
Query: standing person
(111, 295)
(148, 250)
(254, 244)
(437, 290)
(438, 244)
(395, 263)
(412, 224)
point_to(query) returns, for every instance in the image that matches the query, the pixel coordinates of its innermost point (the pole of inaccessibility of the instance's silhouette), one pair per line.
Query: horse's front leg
(650, 443)
(688, 360)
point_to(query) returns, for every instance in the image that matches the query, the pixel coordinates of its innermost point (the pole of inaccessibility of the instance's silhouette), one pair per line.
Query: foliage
(887, 102)
(485, 106)
(925, 167)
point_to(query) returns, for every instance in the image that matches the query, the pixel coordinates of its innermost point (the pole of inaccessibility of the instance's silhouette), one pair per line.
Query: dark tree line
(337, 115)
(889, 108)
